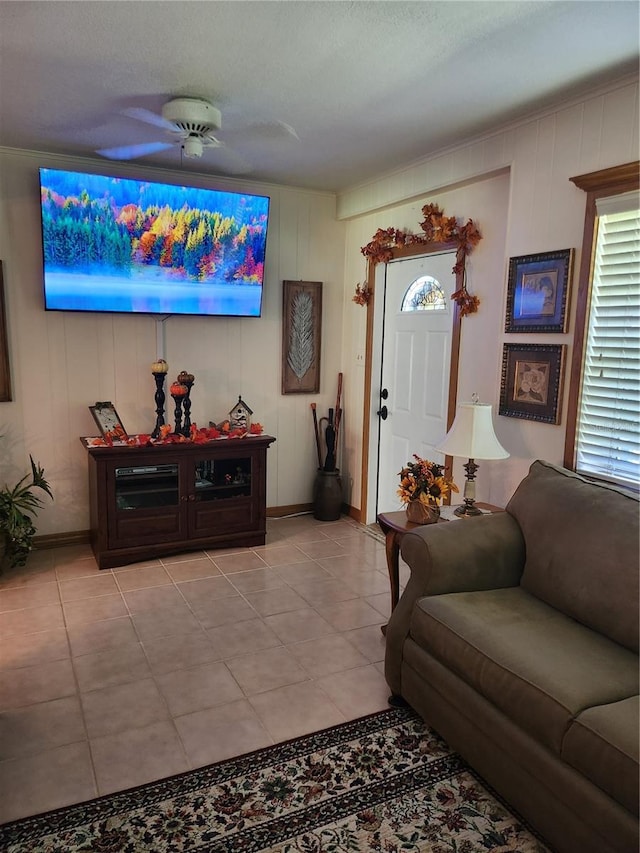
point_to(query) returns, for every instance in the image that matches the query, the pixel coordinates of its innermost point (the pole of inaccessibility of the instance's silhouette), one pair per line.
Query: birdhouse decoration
(240, 415)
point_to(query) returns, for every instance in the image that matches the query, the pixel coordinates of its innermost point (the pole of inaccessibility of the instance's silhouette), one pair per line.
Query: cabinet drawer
(224, 517)
(144, 528)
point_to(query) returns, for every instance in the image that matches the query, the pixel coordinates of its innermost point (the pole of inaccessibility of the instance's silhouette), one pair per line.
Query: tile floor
(110, 679)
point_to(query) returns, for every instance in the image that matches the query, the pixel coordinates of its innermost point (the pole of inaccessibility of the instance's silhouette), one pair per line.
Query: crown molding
(628, 175)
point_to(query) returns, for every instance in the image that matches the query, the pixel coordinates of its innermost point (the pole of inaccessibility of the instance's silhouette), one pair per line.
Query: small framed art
(108, 420)
(537, 292)
(531, 386)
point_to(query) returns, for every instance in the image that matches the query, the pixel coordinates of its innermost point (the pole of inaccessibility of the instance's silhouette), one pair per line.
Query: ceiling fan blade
(148, 117)
(229, 160)
(130, 152)
(281, 130)
(211, 141)
(263, 131)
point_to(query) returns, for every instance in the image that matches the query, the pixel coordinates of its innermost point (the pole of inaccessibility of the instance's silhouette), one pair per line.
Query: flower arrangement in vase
(423, 485)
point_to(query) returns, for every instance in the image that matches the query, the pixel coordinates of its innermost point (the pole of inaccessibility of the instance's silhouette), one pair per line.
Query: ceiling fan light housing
(192, 146)
(192, 115)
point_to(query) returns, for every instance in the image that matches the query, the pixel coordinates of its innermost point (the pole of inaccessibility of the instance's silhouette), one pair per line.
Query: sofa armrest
(461, 556)
(487, 552)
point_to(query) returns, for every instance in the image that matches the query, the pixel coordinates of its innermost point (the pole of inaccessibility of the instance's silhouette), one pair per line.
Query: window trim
(605, 182)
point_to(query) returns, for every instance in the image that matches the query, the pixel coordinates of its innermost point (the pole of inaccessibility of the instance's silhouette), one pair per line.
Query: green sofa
(516, 638)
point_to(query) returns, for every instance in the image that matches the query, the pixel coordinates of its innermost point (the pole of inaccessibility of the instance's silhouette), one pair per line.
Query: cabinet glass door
(222, 479)
(146, 486)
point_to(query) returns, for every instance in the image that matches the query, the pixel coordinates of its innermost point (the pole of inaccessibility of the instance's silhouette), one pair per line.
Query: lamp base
(469, 506)
(467, 509)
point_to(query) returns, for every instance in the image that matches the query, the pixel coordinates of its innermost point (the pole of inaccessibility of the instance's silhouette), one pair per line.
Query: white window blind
(608, 434)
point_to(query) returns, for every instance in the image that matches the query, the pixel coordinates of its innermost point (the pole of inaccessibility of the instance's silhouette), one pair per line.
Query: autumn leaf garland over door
(301, 325)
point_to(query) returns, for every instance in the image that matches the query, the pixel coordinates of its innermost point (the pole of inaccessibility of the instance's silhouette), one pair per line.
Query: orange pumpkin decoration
(177, 389)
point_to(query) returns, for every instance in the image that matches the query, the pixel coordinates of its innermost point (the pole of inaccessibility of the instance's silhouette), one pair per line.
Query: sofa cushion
(582, 544)
(602, 744)
(535, 664)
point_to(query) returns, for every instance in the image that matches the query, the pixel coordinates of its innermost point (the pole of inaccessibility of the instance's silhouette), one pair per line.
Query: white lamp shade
(471, 435)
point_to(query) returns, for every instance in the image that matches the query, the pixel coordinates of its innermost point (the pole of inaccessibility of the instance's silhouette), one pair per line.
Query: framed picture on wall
(531, 386)
(538, 289)
(5, 375)
(301, 328)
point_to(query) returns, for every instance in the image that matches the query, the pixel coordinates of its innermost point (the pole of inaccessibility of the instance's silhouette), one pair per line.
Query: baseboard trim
(83, 537)
(59, 540)
(291, 509)
(298, 509)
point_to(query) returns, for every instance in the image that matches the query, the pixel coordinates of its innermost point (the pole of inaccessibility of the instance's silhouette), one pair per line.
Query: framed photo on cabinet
(108, 421)
(531, 386)
(538, 291)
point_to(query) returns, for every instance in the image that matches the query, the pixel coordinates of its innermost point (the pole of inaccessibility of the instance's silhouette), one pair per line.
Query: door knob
(383, 413)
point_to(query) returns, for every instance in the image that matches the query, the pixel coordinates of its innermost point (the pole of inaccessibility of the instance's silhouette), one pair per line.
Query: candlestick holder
(160, 400)
(186, 429)
(177, 399)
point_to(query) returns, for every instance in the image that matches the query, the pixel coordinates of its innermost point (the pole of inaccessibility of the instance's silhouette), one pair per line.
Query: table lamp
(471, 437)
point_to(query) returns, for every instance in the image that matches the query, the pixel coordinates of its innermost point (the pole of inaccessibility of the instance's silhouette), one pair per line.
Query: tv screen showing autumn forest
(115, 244)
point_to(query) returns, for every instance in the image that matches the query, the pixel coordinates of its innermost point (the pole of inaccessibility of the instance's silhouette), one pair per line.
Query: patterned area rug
(383, 783)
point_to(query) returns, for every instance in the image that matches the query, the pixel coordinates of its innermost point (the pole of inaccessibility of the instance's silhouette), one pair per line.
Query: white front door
(416, 359)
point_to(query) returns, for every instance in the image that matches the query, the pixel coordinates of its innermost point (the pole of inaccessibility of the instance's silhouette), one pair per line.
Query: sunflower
(440, 488)
(425, 481)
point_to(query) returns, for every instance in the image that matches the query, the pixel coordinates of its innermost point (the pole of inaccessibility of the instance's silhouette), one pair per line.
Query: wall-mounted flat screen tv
(122, 245)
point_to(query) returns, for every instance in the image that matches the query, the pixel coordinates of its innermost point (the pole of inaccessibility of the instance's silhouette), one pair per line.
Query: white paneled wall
(63, 362)
(514, 183)
(542, 212)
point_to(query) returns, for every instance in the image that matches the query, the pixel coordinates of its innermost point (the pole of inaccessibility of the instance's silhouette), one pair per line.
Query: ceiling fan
(192, 122)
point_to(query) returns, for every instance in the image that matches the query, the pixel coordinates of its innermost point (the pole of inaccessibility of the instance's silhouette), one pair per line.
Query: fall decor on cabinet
(240, 415)
(423, 485)
(436, 228)
(159, 370)
(108, 421)
(180, 390)
(186, 379)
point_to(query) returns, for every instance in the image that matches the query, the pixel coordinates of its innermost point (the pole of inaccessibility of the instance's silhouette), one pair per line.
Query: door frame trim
(402, 253)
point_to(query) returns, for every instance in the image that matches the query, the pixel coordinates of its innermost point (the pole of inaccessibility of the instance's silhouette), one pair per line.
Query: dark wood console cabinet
(146, 502)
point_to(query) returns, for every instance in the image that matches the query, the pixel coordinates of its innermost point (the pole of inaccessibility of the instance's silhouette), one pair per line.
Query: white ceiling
(366, 85)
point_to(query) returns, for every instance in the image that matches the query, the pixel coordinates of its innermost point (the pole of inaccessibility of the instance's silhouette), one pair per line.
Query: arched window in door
(424, 294)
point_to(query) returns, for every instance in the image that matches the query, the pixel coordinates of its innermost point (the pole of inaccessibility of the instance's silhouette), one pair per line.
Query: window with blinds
(608, 426)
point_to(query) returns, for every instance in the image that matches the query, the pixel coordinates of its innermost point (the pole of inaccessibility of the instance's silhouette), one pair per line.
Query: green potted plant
(18, 506)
